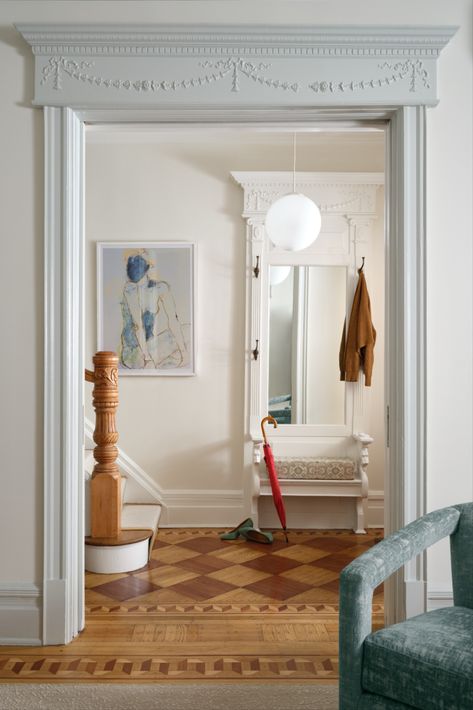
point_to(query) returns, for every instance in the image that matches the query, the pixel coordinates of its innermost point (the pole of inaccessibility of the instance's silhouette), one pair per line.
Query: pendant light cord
(294, 163)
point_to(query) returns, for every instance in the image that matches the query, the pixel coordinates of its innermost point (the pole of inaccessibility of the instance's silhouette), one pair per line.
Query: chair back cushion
(461, 545)
(424, 662)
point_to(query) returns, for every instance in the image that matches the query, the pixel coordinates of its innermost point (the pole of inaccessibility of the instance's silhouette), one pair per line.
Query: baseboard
(438, 598)
(20, 614)
(201, 508)
(375, 509)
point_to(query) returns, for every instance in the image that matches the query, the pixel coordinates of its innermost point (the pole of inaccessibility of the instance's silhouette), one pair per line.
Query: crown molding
(287, 40)
(102, 66)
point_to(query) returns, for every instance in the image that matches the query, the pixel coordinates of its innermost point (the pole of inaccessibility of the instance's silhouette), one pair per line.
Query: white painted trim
(439, 598)
(375, 509)
(405, 365)
(202, 508)
(63, 397)
(20, 614)
(86, 65)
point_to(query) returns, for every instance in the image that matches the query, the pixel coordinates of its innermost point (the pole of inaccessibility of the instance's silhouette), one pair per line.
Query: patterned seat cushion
(324, 469)
(424, 662)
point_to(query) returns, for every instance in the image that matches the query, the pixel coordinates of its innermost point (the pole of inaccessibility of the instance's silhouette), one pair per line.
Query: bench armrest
(363, 575)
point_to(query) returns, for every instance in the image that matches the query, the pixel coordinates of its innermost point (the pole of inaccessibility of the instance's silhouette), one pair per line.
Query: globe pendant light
(278, 274)
(293, 222)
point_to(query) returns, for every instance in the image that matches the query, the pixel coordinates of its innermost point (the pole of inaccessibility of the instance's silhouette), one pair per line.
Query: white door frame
(67, 88)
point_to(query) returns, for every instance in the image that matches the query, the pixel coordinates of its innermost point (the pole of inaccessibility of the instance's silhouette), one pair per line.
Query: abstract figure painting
(145, 294)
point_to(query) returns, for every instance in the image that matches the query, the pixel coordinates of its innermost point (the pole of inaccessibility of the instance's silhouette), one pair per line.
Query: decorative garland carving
(236, 66)
(259, 199)
(412, 69)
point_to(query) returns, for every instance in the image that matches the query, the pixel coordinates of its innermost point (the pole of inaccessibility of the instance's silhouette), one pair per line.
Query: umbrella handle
(272, 421)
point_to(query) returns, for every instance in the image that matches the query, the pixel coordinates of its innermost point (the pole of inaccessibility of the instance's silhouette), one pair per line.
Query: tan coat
(356, 348)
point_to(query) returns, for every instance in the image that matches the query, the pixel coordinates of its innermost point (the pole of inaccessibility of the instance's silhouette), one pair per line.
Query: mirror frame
(348, 205)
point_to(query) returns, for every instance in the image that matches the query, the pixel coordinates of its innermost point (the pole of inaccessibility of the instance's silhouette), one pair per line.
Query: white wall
(449, 155)
(188, 433)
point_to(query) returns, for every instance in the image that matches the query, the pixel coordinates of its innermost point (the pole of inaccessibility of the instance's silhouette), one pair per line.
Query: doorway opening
(152, 184)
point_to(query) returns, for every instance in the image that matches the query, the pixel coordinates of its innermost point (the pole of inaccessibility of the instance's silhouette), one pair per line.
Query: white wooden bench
(319, 477)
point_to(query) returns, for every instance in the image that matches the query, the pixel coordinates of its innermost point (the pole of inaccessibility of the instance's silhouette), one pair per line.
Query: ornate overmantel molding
(335, 193)
(160, 66)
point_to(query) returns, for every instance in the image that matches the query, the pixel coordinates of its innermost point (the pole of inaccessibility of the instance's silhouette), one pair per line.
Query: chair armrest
(363, 575)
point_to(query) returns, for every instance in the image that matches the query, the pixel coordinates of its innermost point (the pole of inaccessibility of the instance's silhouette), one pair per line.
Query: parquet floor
(210, 610)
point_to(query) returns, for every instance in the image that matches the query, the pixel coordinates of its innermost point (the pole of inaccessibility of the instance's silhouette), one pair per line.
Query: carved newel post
(105, 488)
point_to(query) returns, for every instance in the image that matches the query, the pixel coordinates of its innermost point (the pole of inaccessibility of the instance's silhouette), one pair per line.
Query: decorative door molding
(280, 75)
(121, 67)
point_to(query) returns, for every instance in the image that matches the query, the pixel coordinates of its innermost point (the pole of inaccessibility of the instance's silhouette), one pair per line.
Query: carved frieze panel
(335, 194)
(229, 66)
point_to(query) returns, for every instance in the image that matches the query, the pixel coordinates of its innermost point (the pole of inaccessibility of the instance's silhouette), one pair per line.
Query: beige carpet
(167, 696)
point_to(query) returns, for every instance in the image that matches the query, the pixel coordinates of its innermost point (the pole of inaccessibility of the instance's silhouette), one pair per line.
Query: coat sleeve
(366, 333)
(357, 348)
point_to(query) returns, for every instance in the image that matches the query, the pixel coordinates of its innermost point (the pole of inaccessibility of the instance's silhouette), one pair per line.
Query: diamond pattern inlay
(209, 609)
(126, 588)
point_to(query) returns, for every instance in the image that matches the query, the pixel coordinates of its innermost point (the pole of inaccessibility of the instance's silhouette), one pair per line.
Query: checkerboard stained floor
(204, 609)
(190, 566)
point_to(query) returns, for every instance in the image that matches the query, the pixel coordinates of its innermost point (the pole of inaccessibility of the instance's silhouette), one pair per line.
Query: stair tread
(125, 537)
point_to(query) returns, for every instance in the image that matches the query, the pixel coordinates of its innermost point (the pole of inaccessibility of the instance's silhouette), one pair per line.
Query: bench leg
(360, 518)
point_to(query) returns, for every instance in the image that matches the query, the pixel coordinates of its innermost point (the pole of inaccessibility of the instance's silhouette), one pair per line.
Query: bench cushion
(424, 662)
(324, 469)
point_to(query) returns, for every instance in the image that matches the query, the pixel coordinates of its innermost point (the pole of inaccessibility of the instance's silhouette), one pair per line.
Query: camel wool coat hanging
(357, 346)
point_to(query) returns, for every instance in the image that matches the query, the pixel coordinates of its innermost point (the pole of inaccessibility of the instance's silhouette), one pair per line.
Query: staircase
(137, 498)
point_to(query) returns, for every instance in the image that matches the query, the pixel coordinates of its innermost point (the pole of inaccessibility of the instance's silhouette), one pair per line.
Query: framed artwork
(146, 310)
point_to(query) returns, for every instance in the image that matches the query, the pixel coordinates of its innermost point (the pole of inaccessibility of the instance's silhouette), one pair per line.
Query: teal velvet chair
(425, 662)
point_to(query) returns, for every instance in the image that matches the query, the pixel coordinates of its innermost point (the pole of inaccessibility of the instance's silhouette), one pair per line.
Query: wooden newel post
(105, 486)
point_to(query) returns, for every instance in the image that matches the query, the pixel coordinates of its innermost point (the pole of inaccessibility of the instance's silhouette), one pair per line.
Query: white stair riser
(116, 558)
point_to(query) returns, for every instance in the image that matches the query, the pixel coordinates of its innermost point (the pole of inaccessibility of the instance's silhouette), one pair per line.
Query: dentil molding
(127, 66)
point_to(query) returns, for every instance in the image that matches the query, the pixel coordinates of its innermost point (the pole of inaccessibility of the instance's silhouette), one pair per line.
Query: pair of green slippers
(247, 530)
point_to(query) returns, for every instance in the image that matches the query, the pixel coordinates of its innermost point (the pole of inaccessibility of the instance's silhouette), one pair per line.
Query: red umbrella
(273, 476)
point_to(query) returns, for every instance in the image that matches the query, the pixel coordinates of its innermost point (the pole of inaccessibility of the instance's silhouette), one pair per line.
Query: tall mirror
(306, 316)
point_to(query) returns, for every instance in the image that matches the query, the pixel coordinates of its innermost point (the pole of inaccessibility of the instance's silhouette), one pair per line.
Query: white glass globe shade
(278, 274)
(293, 222)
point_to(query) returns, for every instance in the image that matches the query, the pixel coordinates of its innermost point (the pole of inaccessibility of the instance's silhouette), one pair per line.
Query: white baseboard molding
(201, 508)
(20, 614)
(375, 509)
(438, 598)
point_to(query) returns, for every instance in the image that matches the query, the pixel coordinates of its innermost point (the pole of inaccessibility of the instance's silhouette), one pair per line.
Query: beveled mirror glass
(307, 312)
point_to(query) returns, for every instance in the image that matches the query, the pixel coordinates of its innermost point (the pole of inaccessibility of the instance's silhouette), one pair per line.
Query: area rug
(22, 696)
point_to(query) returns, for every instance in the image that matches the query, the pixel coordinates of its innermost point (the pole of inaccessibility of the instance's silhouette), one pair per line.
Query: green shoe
(236, 532)
(257, 535)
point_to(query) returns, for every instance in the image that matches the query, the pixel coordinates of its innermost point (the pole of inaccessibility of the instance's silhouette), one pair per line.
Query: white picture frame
(146, 306)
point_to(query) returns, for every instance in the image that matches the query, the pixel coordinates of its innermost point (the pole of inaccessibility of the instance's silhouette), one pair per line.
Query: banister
(105, 488)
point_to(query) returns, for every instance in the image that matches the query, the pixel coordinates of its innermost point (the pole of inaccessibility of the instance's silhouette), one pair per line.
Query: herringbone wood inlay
(208, 609)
